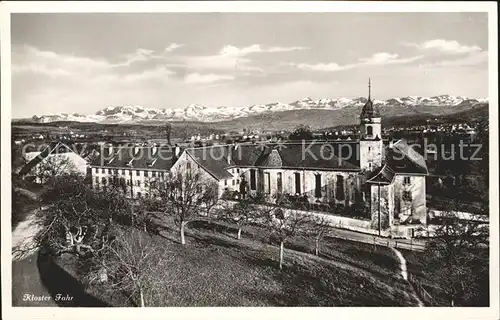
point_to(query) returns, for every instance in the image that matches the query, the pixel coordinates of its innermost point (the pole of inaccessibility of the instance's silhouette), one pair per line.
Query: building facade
(385, 181)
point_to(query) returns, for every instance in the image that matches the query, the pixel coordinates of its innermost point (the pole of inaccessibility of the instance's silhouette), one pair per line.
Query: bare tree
(77, 219)
(72, 222)
(284, 225)
(112, 201)
(51, 167)
(167, 129)
(242, 213)
(318, 228)
(184, 192)
(209, 199)
(135, 265)
(457, 255)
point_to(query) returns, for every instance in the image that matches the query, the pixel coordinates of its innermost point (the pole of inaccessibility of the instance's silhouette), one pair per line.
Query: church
(378, 183)
(384, 181)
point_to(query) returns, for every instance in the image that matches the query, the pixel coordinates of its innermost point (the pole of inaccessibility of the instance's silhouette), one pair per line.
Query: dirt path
(404, 274)
(23, 237)
(27, 285)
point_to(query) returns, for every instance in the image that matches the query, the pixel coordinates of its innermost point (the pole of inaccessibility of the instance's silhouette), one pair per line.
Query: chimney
(177, 151)
(110, 149)
(154, 150)
(136, 149)
(391, 144)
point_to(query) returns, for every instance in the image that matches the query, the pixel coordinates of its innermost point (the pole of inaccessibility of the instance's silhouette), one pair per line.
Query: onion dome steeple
(369, 111)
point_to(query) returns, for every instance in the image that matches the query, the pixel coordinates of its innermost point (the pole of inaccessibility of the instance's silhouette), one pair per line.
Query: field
(430, 284)
(216, 269)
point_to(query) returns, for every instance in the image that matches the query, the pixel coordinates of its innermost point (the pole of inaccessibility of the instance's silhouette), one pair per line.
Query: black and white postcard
(249, 154)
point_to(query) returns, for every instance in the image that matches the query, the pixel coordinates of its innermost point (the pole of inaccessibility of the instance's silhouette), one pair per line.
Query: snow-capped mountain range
(195, 112)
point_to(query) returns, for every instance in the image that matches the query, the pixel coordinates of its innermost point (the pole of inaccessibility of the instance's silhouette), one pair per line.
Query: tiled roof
(384, 176)
(402, 158)
(270, 159)
(137, 157)
(342, 155)
(54, 147)
(369, 110)
(214, 159)
(310, 155)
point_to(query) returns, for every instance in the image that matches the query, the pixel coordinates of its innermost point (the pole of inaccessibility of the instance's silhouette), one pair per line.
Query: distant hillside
(199, 113)
(475, 114)
(316, 119)
(284, 120)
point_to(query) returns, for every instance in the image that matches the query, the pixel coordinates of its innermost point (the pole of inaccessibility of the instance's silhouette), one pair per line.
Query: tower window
(369, 130)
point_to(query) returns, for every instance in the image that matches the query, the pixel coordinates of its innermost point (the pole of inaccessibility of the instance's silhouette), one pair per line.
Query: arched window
(317, 185)
(369, 130)
(253, 180)
(340, 194)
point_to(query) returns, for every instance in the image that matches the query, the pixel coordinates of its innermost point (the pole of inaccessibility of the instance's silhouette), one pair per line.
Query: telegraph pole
(379, 222)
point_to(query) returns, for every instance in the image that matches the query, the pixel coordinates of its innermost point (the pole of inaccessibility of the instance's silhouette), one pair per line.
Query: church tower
(370, 140)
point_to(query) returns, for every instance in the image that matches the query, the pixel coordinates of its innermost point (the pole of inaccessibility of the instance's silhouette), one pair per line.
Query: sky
(84, 62)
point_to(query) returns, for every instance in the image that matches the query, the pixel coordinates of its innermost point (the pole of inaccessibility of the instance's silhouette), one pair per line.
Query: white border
(247, 313)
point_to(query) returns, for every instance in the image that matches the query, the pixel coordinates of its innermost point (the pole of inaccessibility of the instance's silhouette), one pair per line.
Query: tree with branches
(167, 130)
(284, 225)
(113, 203)
(51, 167)
(185, 192)
(457, 255)
(241, 214)
(73, 221)
(135, 265)
(209, 200)
(319, 227)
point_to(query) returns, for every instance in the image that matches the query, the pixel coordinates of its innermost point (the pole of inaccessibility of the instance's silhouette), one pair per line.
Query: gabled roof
(270, 159)
(54, 147)
(402, 158)
(218, 159)
(384, 176)
(213, 159)
(137, 157)
(341, 155)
